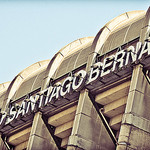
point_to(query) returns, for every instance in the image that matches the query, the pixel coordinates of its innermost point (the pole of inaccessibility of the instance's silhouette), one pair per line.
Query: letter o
(79, 80)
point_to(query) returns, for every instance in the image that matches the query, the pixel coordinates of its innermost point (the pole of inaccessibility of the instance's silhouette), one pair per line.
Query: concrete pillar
(135, 127)
(40, 138)
(88, 131)
(2, 145)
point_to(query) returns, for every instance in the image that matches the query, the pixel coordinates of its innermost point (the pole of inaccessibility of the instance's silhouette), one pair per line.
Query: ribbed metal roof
(73, 61)
(26, 81)
(68, 58)
(118, 31)
(4, 86)
(3, 89)
(122, 35)
(30, 84)
(115, 33)
(32, 78)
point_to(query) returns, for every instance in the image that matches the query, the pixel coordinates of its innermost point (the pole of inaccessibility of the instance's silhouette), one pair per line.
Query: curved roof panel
(26, 80)
(66, 59)
(30, 84)
(4, 86)
(115, 33)
(31, 78)
(119, 31)
(73, 61)
(3, 89)
(123, 35)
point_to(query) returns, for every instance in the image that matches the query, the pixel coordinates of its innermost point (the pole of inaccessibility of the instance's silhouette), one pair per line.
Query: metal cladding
(75, 56)
(81, 70)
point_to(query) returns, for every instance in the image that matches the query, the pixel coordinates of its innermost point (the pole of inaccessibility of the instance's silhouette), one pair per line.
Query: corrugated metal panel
(83, 57)
(30, 85)
(72, 62)
(38, 81)
(25, 88)
(114, 40)
(118, 38)
(106, 45)
(4, 87)
(122, 36)
(134, 30)
(2, 98)
(62, 68)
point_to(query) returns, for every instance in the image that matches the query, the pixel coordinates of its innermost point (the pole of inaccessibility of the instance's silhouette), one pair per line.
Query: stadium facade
(94, 94)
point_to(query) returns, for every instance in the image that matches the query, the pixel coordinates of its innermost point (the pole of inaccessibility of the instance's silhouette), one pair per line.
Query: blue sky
(31, 31)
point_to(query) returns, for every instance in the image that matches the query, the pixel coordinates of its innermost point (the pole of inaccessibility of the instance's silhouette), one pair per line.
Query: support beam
(64, 130)
(40, 137)
(113, 93)
(134, 131)
(115, 122)
(62, 117)
(21, 146)
(19, 137)
(64, 142)
(88, 130)
(115, 108)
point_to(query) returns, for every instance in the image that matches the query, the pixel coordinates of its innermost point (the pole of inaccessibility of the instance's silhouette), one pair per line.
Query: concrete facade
(92, 95)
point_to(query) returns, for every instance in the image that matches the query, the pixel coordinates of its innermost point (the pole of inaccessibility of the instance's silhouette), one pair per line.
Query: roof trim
(4, 86)
(114, 24)
(62, 53)
(23, 75)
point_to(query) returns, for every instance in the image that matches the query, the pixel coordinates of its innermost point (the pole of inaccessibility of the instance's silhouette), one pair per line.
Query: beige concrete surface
(64, 142)
(62, 117)
(113, 94)
(134, 132)
(116, 107)
(64, 130)
(19, 137)
(115, 122)
(88, 131)
(40, 138)
(21, 146)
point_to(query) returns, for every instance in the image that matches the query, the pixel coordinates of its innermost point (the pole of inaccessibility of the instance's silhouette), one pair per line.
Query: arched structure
(130, 23)
(32, 72)
(93, 94)
(66, 51)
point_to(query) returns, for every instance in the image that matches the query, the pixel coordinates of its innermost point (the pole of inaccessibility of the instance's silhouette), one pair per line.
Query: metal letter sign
(80, 80)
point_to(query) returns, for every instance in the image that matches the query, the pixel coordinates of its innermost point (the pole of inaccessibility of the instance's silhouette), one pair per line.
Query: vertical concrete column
(2, 145)
(135, 127)
(40, 138)
(88, 131)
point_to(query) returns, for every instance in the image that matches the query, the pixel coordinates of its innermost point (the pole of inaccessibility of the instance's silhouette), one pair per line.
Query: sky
(34, 30)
